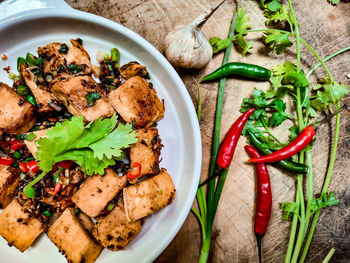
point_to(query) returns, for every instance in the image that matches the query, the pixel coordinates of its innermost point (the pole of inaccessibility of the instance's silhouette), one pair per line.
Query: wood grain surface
(327, 28)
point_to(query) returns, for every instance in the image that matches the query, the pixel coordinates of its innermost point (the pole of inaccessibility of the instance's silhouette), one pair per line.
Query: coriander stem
(268, 130)
(309, 189)
(325, 186)
(329, 256)
(319, 59)
(326, 59)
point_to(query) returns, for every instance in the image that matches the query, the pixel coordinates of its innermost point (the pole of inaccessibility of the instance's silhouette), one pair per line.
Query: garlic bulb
(186, 46)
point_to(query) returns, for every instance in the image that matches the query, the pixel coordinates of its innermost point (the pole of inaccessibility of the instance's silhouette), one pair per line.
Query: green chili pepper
(31, 99)
(115, 55)
(287, 165)
(30, 59)
(241, 69)
(19, 61)
(22, 90)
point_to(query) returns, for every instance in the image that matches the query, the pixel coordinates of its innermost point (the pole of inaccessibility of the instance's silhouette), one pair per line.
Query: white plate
(24, 32)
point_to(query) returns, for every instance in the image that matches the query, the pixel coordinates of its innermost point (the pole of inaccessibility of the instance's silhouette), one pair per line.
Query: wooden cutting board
(327, 28)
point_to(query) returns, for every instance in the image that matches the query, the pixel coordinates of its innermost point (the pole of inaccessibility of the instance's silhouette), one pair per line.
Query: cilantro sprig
(93, 147)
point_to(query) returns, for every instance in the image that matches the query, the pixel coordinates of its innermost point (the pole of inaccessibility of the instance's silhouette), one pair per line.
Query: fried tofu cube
(132, 69)
(72, 91)
(136, 101)
(97, 191)
(114, 231)
(147, 151)
(16, 114)
(32, 145)
(9, 181)
(72, 240)
(148, 196)
(41, 92)
(14, 230)
(63, 56)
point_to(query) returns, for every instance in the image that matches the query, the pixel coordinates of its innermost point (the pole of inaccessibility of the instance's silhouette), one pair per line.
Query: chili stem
(329, 256)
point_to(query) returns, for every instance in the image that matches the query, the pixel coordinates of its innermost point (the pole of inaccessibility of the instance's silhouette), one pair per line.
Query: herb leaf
(323, 201)
(93, 147)
(219, 44)
(278, 41)
(289, 209)
(242, 25)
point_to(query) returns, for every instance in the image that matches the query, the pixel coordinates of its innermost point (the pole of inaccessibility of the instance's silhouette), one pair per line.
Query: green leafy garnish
(289, 208)
(93, 147)
(219, 44)
(74, 68)
(278, 41)
(91, 97)
(242, 25)
(63, 49)
(30, 137)
(323, 201)
(334, 2)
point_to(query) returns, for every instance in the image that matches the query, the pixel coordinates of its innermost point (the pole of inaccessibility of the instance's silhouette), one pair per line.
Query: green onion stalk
(208, 204)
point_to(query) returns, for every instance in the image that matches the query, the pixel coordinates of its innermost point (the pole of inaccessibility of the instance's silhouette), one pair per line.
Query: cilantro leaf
(242, 22)
(323, 201)
(334, 2)
(93, 147)
(274, 6)
(328, 92)
(219, 44)
(282, 69)
(289, 209)
(275, 14)
(280, 115)
(294, 131)
(242, 25)
(277, 41)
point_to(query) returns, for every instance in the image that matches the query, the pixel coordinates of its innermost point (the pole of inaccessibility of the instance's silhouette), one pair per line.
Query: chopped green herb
(21, 137)
(29, 192)
(147, 76)
(115, 55)
(13, 76)
(111, 87)
(91, 97)
(17, 155)
(15, 164)
(47, 213)
(31, 137)
(74, 68)
(77, 212)
(63, 49)
(110, 207)
(29, 159)
(60, 68)
(79, 40)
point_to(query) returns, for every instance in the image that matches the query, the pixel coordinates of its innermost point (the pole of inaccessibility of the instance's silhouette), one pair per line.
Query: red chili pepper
(23, 167)
(263, 200)
(298, 144)
(55, 167)
(135, 167)
(228, 146)
(58, 188)
(33, 166)
(16, 145)
(65, 164)
(6, 161)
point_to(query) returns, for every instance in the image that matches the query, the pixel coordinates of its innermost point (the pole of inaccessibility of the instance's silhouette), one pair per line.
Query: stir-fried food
(80, 156)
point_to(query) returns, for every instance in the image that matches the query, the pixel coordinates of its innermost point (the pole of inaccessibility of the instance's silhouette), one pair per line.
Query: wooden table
(327, 27)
